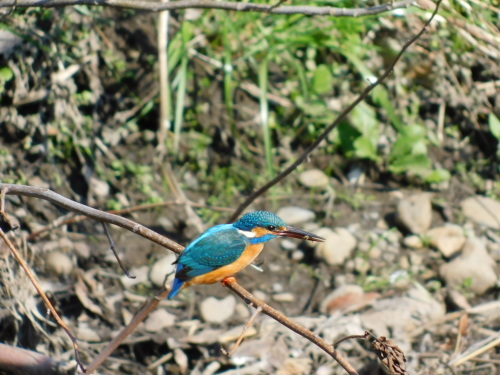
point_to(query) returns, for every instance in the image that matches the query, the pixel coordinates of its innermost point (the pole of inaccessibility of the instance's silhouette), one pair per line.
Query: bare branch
(103, 217)
(155, 6)
(337, 121)
(53, 311)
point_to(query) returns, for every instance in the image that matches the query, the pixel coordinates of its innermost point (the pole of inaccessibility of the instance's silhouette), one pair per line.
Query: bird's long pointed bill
(297, 233)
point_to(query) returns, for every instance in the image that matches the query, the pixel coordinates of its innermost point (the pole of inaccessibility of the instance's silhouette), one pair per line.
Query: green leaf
(6, 74)
(438, 175)
(418, 164)
(365, 147)
(322, 80)
(494, 124)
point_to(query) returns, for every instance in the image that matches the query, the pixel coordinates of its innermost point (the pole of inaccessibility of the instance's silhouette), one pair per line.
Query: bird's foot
(228, 280)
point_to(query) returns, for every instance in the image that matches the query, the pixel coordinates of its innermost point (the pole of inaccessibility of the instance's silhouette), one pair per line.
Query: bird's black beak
(297, 233)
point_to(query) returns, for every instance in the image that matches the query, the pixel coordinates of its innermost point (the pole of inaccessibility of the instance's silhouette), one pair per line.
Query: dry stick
(113, 249)
(337, 121)
(224, 5)
(244, 330)
(97, 215)
(155, 237)
(297, 328)
(136, 320)
(31, 276)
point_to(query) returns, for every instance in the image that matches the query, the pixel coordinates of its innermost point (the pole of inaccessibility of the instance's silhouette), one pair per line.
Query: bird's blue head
(262, 226)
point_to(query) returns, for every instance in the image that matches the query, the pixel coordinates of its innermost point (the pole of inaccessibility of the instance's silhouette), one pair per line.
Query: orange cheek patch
(259, 231)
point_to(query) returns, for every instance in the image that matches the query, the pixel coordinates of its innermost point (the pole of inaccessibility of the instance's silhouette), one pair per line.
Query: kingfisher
(224, 250)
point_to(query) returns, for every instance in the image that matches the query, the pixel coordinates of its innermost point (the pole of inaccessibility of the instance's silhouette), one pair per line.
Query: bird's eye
(271, 227)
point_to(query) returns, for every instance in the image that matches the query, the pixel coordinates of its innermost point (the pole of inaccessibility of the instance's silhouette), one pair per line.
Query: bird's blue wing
(217, 247)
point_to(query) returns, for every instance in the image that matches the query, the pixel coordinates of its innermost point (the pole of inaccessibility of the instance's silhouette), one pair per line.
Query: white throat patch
(247, 234)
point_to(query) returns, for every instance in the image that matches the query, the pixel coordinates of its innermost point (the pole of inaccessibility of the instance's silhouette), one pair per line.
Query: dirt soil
(404, 294)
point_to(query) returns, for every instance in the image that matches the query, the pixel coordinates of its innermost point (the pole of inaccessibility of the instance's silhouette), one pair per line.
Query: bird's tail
(176, 287)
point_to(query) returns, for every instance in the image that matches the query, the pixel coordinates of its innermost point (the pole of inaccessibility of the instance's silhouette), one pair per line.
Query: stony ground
(417, 263)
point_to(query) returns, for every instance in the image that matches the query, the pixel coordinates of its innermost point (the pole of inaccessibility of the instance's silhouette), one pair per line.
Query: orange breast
(247, 257)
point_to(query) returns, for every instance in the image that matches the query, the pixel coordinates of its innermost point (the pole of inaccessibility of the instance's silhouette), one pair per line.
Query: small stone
(448, 239)
(58, 263)
(141, 276)
(413, 242)
(474, 266)
(295, 215)
(158, 320)
(346, 298)
(297, 255)
(482, 210)
(215, 310)
(242, 311)
(338, 245)
(284, 297)
(166, 224)
(415, 212)
(313, 178)
(82, 249)
(99, 187)
(289, 245)
(162, 267)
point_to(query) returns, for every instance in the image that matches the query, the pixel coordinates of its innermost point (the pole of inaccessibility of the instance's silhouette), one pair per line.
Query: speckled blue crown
(258, 219)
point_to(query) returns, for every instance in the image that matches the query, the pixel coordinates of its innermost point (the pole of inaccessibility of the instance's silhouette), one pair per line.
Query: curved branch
(335, 123)
(102, 217)
(154, 6)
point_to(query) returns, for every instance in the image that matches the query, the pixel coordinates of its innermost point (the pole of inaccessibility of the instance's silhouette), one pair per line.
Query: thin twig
(100, 216)
(224, 5)
(136, 320)
(337, 121)
(139, 229)
(250, 299)
(113, 249)
(53, 311)
(245, 329)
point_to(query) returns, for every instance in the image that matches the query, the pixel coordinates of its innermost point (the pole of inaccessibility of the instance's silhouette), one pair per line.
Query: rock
(215, 310)
(284, 297)
(295, 215)
(415, 212)
(289, 245)
(413, 242)
(313, 178)
(141, 276)
(99, 187)
(158, 320)
(162, 267)
(338, 245)
(482, 210)
(474, 265)
(58, 263)
(347, 298)
(448, 239)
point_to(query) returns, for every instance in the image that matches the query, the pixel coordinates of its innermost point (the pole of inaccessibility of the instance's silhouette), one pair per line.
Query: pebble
(448, 239)
(313, 178)
(284, 297)
(295, 215)
(161, 268)
(338, 245)
(58, 263)
(141, 276)
(474, 264)
(99, 187)
(158, 320)
(289, 245)
(413, 242)
(482, 210)
(215, 310)
(346, 298)
(415, 212)
(242, 311)
(82, 249)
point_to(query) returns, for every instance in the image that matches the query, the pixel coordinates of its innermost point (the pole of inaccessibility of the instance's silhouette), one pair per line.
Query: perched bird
(226, 249)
